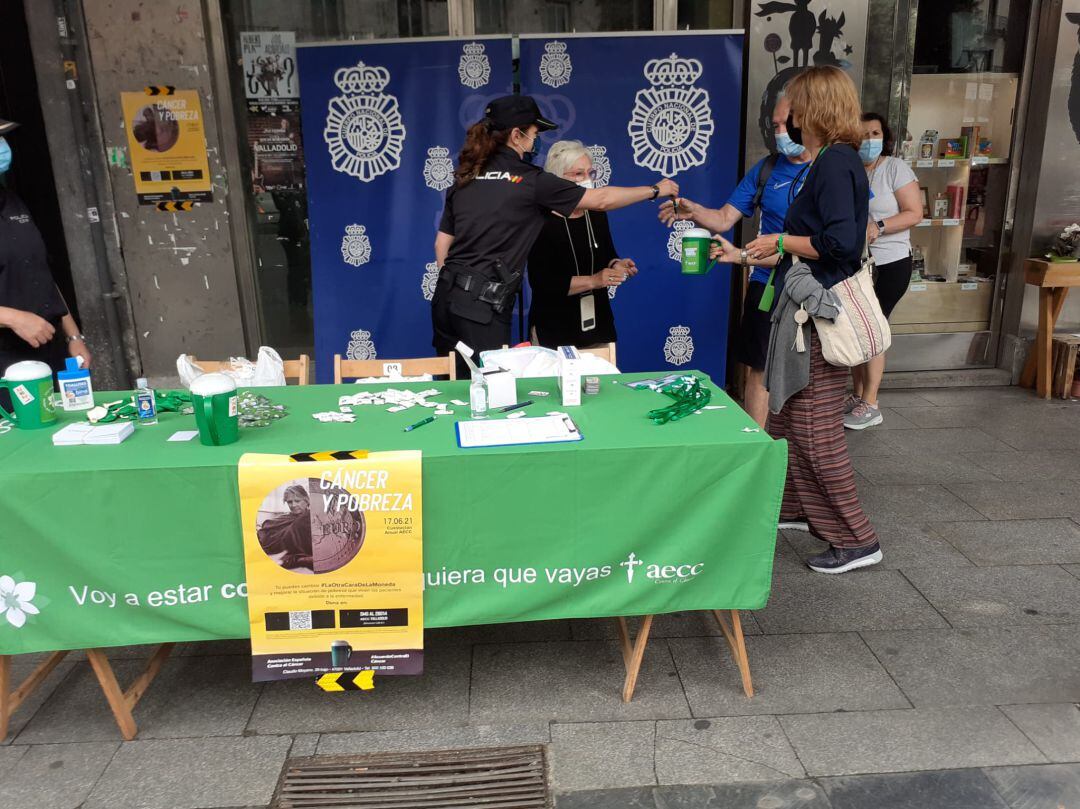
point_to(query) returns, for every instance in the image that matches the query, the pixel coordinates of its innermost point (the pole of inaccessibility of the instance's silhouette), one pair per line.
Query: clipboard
(517, 432)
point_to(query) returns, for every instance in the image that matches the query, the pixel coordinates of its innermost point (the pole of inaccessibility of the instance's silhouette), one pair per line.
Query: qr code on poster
(300, 619)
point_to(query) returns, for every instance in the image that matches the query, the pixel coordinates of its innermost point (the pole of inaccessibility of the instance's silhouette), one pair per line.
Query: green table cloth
(141, 542)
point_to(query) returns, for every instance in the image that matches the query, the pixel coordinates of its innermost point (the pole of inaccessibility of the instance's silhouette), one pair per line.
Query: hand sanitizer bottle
(478, 396)
(145, 403)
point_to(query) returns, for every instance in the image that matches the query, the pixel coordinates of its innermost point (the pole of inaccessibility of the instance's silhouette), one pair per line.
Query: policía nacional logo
(473, 69)
(431, 277)
(361, 346)
(364, 131)
(679, 345)
(671, 123)
(555, 66)
(674, 239)
(355, 246)
(601, 164)
(438, 168)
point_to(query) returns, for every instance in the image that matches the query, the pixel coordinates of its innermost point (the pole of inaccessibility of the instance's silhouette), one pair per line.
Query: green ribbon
(689, 396)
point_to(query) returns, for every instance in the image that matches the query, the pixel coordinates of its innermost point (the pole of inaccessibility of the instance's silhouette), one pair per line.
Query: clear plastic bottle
(478, 396)
(145, 402)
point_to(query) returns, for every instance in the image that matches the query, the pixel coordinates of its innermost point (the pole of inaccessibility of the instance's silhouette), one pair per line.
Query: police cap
(515, 111)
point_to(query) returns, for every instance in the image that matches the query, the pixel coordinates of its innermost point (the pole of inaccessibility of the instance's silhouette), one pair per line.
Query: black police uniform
(494, 220)
(27, 284)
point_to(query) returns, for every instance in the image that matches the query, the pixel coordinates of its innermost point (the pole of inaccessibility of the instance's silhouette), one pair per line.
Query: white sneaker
(795, 525)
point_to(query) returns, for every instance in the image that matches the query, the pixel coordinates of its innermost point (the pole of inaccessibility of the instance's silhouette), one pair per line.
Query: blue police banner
(648, 107)
(382, 125)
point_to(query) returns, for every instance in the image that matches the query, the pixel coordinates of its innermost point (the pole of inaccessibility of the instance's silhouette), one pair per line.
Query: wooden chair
(604, 352)
(358, 369)
(297, 370)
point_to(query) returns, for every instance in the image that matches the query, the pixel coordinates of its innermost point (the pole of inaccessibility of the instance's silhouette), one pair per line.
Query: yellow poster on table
(167, 142)
(334, 557)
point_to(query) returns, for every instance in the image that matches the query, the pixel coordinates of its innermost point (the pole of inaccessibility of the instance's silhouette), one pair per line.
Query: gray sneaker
(864, 415)
(850, 403)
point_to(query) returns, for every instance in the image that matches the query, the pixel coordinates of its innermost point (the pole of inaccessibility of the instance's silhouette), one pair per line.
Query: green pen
(420, 423)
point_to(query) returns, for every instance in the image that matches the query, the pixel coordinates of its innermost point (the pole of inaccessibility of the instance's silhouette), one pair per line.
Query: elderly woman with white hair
(573, 264)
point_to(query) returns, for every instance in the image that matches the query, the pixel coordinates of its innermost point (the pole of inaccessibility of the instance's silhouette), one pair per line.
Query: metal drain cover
(492, 778)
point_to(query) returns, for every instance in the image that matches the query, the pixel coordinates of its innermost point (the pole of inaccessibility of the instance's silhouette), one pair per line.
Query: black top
(25, 280)
(555, 314)
(501, 212)
(831, 208)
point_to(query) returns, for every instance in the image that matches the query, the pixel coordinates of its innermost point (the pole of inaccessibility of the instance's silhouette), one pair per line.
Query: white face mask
(587, 184)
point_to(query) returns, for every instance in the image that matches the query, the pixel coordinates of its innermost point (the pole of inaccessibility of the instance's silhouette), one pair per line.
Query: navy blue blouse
(831, 208)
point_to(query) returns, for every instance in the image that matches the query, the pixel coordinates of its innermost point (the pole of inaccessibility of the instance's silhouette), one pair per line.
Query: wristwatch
(880, 226)
(655, 192)
(745, 258)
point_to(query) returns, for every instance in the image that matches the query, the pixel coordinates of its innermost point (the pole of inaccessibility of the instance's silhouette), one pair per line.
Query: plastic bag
(268, 370)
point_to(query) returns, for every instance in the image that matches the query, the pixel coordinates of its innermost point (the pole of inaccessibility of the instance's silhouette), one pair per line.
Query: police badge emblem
(679, 345)
(361, 346)
(355, 246)
(671, 123)
(438, 168)
(364, 130)
(473, 69)
(431, 277)
(555, 67)
(674, 239)
(601, 165)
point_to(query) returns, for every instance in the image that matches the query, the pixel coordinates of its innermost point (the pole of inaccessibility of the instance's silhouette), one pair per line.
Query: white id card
(588, 312)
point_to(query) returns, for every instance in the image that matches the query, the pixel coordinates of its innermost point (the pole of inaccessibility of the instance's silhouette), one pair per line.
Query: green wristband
(780, 245)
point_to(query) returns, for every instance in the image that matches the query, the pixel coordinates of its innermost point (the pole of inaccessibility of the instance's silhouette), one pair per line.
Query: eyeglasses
(581, 175)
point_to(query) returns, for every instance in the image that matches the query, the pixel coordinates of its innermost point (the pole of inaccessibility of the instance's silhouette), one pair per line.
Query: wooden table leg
(123, 702)
(12, 699)
(1057, 303)
(633, 653)
(734, 636)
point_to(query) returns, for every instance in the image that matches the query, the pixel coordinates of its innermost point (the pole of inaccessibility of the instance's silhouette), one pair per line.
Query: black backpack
(767, 167)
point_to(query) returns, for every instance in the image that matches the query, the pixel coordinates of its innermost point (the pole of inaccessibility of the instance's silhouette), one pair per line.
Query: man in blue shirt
(785, 172)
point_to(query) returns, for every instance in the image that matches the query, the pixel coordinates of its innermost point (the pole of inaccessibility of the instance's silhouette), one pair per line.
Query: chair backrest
(359, 369)
(604, 352)
(297, 370)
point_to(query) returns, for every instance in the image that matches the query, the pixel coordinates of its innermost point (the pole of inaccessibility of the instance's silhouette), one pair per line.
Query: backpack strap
(767, 166)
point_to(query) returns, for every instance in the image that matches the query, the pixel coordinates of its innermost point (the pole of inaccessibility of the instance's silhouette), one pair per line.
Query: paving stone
(1022, 466)
(192, 696)
(990, 596)
(1019, 501)
(518, 632)
(893, 419)
(671, 625)
(25, 712)
(1013, 542)
(55, 776)
(722, 750)
(191, 773)
(921, 469)
(579, 681)
(986, 666)
(1055, 729)
(955, 789)
(791, 673)
(867, 443)
(977, 396)
(902, 398)
(1045, 432)
(889, 741)
(440, 695)
(1073, 570)
(943, 440)
(921, 502)
(768, 795)
(934, 417)
(9, 757)
(1051, 786)
(805, 601)
(304, 744)
(602, 755)
(437, 737)
(903, 545)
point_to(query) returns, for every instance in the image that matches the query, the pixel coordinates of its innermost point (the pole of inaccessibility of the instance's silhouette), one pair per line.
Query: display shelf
(936, 304)
(943, 163)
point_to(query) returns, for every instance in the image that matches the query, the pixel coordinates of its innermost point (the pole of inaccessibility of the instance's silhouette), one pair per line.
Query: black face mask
(794, 132)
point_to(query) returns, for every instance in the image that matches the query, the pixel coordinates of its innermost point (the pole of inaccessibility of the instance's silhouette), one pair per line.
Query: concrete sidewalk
(945, 677)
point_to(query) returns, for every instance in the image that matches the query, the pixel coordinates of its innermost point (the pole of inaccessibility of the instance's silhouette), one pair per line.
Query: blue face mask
(5, 156)
(870, 150)
(787, 147)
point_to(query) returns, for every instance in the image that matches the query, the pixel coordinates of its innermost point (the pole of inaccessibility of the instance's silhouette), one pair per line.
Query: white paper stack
(83, 433)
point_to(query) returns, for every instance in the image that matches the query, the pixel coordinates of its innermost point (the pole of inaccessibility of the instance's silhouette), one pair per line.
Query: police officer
(35, 323)
(493, 214)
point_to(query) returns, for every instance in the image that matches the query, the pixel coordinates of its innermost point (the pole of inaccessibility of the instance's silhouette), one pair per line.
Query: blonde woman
(573, 264)
(825, 229)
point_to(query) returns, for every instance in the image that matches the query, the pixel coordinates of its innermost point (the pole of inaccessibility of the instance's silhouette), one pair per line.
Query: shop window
(561, 16)
(697, 15)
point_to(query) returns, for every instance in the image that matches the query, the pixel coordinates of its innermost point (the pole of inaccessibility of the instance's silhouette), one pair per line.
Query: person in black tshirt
(493, 214)
(573, 265)
(35, 323)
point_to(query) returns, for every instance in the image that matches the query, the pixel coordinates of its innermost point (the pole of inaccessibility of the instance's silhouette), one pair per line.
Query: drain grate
(493, 778)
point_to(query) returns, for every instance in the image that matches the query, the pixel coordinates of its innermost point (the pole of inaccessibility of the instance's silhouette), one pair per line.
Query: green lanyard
(769, 295)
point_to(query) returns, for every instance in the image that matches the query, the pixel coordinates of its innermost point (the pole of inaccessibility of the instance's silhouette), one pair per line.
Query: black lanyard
(797, 185)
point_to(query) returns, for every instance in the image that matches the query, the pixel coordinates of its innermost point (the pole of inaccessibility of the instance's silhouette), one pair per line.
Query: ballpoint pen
(508, 408)
(420, 423)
